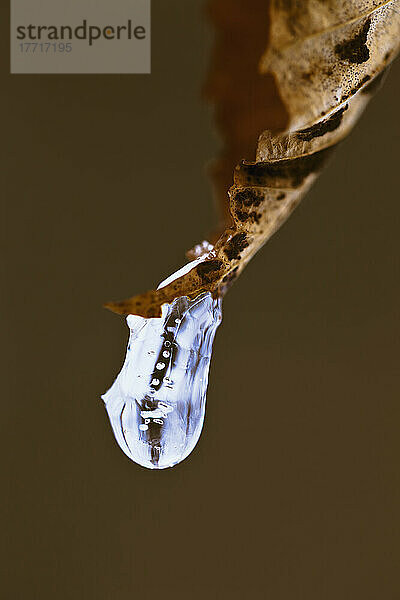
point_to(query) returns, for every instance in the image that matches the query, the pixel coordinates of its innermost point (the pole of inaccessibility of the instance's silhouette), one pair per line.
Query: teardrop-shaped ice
(157, 403)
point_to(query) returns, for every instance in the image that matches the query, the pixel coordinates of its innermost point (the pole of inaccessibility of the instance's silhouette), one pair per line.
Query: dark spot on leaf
(247, 216)
(355, 50)
(249, 198)
(208, 269)
(322, 127)
(242, 216)
(235, 246)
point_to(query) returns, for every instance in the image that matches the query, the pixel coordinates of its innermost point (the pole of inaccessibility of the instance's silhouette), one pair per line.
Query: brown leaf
(326, 57)
(324, 51)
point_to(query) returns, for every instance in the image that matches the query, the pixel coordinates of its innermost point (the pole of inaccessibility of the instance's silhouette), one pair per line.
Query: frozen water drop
(158, 428)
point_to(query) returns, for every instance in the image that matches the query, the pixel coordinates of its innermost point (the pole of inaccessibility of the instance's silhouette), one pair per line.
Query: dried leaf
(327, 57)
(323, 52)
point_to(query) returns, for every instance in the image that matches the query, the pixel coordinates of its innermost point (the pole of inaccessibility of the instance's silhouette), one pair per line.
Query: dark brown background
(293, 489)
